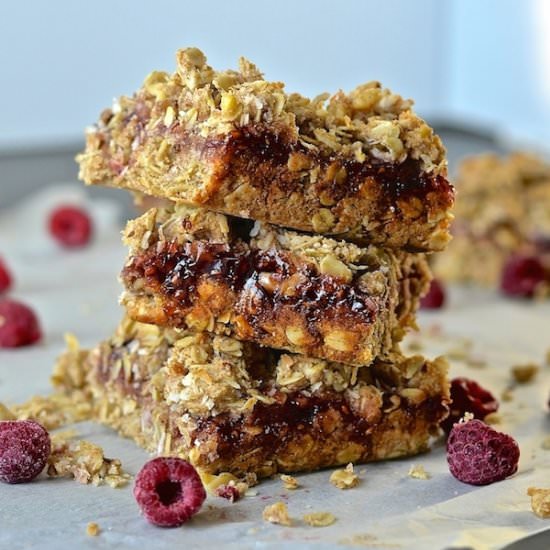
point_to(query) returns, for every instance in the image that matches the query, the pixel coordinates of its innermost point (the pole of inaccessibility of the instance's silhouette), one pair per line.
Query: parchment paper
(77, 291)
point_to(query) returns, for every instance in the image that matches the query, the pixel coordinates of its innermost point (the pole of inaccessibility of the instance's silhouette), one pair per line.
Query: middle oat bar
(193, 269)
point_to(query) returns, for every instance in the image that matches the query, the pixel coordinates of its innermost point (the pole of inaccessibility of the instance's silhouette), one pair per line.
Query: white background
(483, 63)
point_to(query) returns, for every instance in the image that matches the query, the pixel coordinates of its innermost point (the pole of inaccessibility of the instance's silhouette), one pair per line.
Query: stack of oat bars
(266, 300)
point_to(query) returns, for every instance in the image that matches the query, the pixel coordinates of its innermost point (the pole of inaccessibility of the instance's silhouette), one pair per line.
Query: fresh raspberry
(469, 396)
(479, 455)
(521, 275)
(19, 325)
(5, 277)
(169, 491)
(435, 297)
(24, 450)
(230, 492)
(71, 226)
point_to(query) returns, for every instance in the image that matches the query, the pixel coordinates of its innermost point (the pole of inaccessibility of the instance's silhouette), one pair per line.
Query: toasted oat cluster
(361, 165)
(308, 294)
(230, 406)
(502, 212)
(86, 463)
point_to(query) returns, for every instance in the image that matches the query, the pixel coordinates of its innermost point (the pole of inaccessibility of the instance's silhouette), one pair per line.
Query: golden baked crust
(193, 269)
(360, 165)
(234, 407)
(503, 208)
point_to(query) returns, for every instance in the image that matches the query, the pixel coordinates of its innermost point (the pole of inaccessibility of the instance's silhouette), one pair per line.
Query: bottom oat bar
(234, 407)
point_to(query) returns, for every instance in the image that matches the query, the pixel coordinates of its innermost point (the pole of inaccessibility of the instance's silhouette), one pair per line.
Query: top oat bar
(362, 166)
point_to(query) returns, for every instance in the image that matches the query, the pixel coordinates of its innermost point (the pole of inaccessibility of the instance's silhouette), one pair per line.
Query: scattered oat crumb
(319, 519)
(92, 529)
(212, 482)
(548, 358)
(366, 540)
(545, 444)
(507, 395)
(460, 350)
(277, 513)
(457, 354)
(524, 373)
(467, 417)
(344, 479)
(476, 362)
(493, 418)
(289, 482)
(85, 462)
(540, 501)
(417, 471)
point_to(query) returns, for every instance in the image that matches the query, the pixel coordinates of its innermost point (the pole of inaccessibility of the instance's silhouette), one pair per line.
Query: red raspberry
(479, 455)
(469, 396)
(169, 491)
(19, 325)
(230, 492)
(521, 275)
(5, 277)
(70, 226)
(24, 450)
(435, 297)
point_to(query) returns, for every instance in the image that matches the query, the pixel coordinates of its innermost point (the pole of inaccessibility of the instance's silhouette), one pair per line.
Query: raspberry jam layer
(175, 271)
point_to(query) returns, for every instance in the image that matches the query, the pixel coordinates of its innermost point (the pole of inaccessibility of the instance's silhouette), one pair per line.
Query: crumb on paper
(476, 362)
(289, 482)
(540, 501)
(86, 463)
(319, 519)
(460, 350)
(417, 471)
(507, 395)
(5, 413)
(212, 482)
(233, 490)
(547, 357)
(367, 541)
(545, 443)
(229, 492)
(92, 529)
(524, 373)
(344, 479)
(493, 418)
(277, 513)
